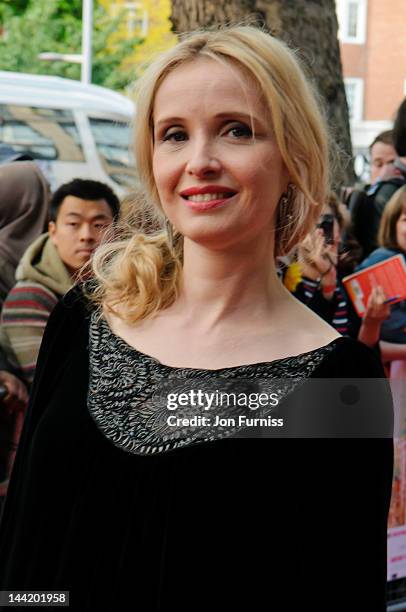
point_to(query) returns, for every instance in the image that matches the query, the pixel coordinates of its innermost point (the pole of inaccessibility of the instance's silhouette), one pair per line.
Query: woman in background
(109, 500)
(392, 241)
(320, 286)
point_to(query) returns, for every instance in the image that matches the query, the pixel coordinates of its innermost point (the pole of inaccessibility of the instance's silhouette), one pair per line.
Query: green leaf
(60, 31)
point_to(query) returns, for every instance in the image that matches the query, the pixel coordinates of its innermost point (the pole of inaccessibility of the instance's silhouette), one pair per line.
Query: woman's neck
(233, 284)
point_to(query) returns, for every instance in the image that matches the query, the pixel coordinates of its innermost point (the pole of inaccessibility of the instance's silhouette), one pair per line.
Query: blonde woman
(110, 500)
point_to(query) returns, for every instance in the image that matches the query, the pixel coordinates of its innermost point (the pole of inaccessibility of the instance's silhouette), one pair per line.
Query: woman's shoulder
(345, 357)
(304, 328)
(75, 305)
(350, 358)
(67, 321)
(349, 393)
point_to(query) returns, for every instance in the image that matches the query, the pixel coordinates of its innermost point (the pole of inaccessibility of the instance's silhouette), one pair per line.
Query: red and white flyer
(389, 274)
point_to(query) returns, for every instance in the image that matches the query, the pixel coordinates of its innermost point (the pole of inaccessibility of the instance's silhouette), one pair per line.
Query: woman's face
(401, 231)
(216, 164)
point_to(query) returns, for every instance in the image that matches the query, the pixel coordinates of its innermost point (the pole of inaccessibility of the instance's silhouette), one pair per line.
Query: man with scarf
(81, 211)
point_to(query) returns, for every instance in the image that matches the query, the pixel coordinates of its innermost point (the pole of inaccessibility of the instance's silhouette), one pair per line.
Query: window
(136, 17)
(352, 21)
(113, 145)
(354, 92)
(42, 133)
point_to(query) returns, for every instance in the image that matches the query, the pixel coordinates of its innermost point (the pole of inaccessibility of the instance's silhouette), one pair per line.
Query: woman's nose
(203, 160)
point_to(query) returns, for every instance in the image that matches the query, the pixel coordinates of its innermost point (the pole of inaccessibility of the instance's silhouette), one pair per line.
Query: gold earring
(285, 219)
(169, 233)
(286, 203)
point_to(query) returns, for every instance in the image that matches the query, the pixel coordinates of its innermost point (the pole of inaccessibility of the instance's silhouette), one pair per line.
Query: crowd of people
(251, 245)
(368, 228)
(46, 241)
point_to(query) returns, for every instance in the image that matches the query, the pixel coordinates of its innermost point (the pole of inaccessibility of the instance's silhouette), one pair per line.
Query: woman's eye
(175, 136)
(240, 131)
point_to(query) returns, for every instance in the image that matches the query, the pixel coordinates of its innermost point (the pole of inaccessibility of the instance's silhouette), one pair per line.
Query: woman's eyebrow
(236, 113)
(223, 115)
(165, 120)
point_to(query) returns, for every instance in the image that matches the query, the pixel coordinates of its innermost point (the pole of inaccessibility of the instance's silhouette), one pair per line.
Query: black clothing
(4, 364)
(337, 312)
(366, 208)
(278, 524)
(399, 130)
(6, 423)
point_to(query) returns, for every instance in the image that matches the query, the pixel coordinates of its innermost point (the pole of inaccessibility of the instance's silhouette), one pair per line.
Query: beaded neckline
(125, 390)
(128, 348)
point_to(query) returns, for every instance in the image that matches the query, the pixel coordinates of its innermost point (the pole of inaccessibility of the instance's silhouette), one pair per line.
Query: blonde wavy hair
(139, 273)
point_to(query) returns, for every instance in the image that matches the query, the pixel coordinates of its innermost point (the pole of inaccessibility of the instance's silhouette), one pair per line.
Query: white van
(71, 129)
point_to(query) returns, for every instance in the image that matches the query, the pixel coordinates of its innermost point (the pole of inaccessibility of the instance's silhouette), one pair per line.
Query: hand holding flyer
(389, 274)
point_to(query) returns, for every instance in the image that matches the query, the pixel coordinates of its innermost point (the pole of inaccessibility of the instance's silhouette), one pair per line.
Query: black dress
(99, 506)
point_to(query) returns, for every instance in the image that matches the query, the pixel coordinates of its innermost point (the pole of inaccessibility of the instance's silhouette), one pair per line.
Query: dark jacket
(366, 207)
(240, 521)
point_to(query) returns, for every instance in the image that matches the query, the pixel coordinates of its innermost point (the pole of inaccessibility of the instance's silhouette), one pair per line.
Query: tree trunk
(188, 15)
(310, 27)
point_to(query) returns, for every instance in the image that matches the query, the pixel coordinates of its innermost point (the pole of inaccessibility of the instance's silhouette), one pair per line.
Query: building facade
(372, 37)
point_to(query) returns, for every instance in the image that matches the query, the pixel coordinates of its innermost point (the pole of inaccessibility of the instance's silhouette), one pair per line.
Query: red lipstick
(207, 189)
(224, 195)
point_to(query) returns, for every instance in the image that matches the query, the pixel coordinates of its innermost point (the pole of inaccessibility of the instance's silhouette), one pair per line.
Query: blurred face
(78, 229)
(216, 164)
(401, 231)
(382, 158)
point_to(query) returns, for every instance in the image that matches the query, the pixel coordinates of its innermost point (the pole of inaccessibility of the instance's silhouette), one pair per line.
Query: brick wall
(381, 62)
